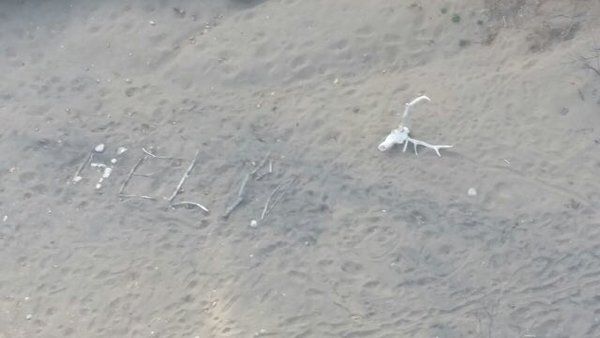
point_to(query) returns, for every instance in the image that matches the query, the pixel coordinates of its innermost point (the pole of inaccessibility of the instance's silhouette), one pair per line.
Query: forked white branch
(402, 133)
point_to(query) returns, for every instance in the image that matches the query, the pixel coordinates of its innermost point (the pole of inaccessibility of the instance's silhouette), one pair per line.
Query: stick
(190, 204)
(280, 197)
(184, 177)
(264, 212)
(135, 167)
(243, 186)
(262, 176)
(240, 197)
(235, 204)
(268, 209)
(262, 163)
(138, 196)
(77, 175)
(156, 156)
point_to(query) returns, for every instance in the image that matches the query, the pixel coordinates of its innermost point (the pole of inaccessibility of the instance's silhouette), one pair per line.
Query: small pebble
(99, 148)
(113, 161)
(472, 192)
(29, 316)
(107, 172)
(121, 150)
(253, 223)
(152, 22)
(77, 178)
(5, 218)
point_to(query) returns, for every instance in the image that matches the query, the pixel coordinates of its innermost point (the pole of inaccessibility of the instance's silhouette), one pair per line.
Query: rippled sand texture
(362, 243)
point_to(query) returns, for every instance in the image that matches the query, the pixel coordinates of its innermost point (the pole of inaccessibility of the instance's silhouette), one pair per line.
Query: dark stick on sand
(138, 196)
(135, 167)
(82, 166)
(188, 204)
(184, 177)
(283, 188)
(156, 156)
(240, 196)
(262, 164)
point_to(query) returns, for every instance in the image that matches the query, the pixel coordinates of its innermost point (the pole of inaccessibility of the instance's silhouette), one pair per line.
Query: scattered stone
(113, 161)
(121, 150)
(107, 172)
(472, 192)
(99, 148)
(97, 165)
(29, 316)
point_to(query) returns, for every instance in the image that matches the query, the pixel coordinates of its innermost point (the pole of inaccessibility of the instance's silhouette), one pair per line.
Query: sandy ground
(362, 243)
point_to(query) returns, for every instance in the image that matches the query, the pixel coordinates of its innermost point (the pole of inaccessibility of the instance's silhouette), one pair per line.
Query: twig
(131, 172)
(268, 207)
(135, 167)
(184, 177)
(240, 197)
(262, 163)
(77, 175)
(156, 156)
(262, 176)
(232, 207)
(243, 185)
(581, 94)
(144, 175)
(270, 166)
(264, 212)
(190, 204)
(138, 196)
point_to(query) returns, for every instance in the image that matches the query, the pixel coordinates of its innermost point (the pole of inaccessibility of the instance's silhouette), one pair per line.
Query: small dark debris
(564, 111)
(179, 12)
(464, 43)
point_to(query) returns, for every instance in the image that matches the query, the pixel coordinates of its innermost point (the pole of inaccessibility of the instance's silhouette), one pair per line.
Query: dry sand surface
(358, 243)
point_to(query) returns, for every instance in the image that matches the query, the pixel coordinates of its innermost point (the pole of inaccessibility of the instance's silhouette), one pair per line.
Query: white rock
(253, 223)
(97, 165)
(29, 316)
(107, 172)
(99, 148)
(472, 192)
(121, 150)
(77, 178)
(113, 161)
